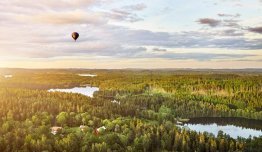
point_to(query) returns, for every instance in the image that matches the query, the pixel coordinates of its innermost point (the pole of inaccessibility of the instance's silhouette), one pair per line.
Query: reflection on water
(87, 75)
(231, 130)
(87, 91)
(232, 126)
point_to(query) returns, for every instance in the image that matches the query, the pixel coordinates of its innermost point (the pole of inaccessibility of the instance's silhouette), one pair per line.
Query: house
(82, 127)
(99, 130)
(179, 122)
(55, 130)
(117, 102)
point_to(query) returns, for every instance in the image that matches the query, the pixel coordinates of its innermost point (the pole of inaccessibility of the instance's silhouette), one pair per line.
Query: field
(149, 104)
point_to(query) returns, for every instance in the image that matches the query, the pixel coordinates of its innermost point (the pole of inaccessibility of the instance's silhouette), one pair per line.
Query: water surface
(8, 76)
(87, 75)
(232, 126)
(87, 90)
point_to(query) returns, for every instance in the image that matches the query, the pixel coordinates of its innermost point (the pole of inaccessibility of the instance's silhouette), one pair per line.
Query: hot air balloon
(75, 35)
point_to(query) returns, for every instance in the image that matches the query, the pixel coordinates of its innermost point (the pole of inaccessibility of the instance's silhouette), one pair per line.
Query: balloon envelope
(75, 35)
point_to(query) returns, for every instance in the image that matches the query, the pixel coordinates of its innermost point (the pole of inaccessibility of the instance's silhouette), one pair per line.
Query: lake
(232, 126)
(8, 76)
(87, 75)
(87, 90)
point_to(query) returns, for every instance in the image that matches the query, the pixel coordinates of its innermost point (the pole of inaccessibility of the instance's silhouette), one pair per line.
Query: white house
(117, 102)
(82, 127)
(55, 130)
(101, 129)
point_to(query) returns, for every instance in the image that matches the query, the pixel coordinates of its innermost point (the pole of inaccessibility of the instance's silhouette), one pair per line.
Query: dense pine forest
(144, 118)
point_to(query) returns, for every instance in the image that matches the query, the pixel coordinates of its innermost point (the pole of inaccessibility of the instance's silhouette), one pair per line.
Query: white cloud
(71, 17)
(49, 4)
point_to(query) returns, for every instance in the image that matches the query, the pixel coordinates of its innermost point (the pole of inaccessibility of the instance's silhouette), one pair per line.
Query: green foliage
(143, 121)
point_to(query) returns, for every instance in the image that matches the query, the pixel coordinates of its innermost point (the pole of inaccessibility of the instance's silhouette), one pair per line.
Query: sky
(115, 34)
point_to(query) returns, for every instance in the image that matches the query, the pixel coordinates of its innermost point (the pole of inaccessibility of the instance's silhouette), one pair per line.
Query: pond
(87, 75)
(232, 126)
(87, 90)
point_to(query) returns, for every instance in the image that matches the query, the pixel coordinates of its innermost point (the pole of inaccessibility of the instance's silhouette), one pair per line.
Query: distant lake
(87, 91)
(87, 75)
(232, 126)
(8, 76)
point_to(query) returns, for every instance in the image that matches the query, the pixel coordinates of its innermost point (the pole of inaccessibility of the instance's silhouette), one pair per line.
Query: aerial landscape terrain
(130, 110)
(130, 76)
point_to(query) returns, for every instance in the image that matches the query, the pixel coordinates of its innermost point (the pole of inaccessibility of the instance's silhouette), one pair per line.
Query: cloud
(136, 7)
(201, 56)
(113, 41)
(126, 13)
(51, 4)
(159, 50)
(122, 15)
(68, 12)
(43, 30)
(248, 60)
(231, 32)
(231, 27)
(231, 23)
(209, 21)
(215, 23)
(72, 17)
(49, 11)
(256, 29)
(229, 15)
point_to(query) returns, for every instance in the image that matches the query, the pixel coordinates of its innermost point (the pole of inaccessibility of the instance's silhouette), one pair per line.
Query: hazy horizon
(205, 34)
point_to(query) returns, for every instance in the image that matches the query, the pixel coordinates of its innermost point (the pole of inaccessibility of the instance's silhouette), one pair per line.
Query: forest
(144, 118)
